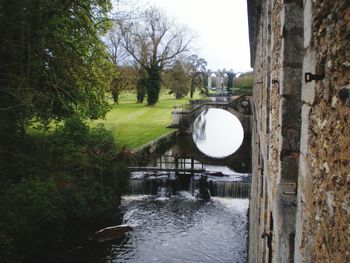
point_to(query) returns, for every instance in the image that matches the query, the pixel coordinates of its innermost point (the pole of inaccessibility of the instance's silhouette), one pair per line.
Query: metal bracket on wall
(311, 77)
(344, 95)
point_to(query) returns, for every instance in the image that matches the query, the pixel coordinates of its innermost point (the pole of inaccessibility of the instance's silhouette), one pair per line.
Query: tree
(126, 80)
(197, 68)
(230, 77)
(117, 52)
(154, 43)
(177, 80)
(53, 62)
(244, 83)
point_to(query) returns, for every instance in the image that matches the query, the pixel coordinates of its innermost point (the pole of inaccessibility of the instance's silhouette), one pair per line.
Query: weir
(167, 175)
(162, 187)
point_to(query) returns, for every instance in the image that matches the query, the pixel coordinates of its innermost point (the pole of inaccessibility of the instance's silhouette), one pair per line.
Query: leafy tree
(244, 82)
(154, 42)
(178, 80)
(72, 186)
(53, 63)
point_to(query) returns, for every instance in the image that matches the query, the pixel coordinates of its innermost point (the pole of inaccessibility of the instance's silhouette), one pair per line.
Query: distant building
(300, 196)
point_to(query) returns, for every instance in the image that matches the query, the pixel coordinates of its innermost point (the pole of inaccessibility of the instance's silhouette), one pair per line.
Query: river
(171, 222)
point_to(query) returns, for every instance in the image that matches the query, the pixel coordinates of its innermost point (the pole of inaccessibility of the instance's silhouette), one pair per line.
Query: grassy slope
(135, 124)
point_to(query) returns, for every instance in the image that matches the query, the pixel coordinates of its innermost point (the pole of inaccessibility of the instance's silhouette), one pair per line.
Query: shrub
(70, 184)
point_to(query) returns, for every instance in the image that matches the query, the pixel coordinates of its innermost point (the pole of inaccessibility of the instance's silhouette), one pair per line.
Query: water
(170, 224)
(217, 133)
(169, 220)
(180, 229)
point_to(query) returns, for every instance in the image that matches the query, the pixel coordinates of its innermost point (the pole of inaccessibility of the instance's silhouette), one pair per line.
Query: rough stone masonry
(300, 196)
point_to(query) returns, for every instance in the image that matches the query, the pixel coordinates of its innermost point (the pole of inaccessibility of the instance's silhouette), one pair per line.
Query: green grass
(135, 124)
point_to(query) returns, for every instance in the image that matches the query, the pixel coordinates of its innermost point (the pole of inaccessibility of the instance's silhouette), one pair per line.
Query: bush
(70, 184)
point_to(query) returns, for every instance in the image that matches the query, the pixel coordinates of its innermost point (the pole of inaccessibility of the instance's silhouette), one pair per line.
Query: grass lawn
(135, 124)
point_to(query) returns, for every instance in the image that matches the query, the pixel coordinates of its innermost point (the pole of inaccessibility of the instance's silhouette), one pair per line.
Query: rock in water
(203, 188)
(110, 233)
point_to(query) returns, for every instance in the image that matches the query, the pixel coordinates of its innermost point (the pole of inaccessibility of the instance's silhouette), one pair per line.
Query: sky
(220, 27)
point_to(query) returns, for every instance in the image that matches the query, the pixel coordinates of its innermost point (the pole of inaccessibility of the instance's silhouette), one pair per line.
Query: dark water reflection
(179, 229)
(217, 133)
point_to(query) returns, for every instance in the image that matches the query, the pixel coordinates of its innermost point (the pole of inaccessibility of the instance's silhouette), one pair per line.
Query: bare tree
(154, 42)
(197, 69)
(116, 50)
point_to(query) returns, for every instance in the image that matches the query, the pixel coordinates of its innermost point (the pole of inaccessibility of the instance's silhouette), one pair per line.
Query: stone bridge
(240, 106)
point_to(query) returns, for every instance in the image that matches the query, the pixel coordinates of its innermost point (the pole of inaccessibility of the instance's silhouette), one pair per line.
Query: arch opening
(217, 133)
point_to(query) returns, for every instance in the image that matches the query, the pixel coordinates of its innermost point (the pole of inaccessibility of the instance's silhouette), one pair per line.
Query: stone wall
(300, 199)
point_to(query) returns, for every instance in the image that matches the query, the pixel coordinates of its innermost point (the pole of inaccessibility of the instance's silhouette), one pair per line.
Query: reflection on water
(182, 229)
(217, 133)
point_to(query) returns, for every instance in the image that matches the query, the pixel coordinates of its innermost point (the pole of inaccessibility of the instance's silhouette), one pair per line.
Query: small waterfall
(230, 189)
(166, 187)
(156, 187)
(143, 187)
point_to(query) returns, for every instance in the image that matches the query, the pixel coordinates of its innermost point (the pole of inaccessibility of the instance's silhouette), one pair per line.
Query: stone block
(307, 22)
(291, 84)
(290, 140)
(304, 133)
(292, 49)
(291, 111)
(309, 89)
(303, 170)
(289, 168)
(292, 16)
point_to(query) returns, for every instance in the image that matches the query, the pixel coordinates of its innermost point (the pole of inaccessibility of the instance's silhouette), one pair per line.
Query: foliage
(54, 64)
(141, 85)
(126, 80)
(177, 80)
(244, 81)
(153, 83)
(54, 67)
(71, 185)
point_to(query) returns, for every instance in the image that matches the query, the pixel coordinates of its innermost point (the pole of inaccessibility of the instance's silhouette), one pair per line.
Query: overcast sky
(221, 27)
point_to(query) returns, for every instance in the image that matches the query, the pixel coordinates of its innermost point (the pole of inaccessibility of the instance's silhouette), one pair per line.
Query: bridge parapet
(240, 107)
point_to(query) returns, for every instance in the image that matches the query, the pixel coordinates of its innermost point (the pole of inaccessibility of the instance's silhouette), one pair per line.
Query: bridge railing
(172, 163)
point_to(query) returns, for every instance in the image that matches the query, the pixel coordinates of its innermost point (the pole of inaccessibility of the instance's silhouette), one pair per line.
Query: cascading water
(229, 189)
(169, 185)
(153, 186)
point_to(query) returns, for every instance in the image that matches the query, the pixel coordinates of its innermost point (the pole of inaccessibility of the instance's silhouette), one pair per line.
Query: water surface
(217, 133)
(183, 229)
